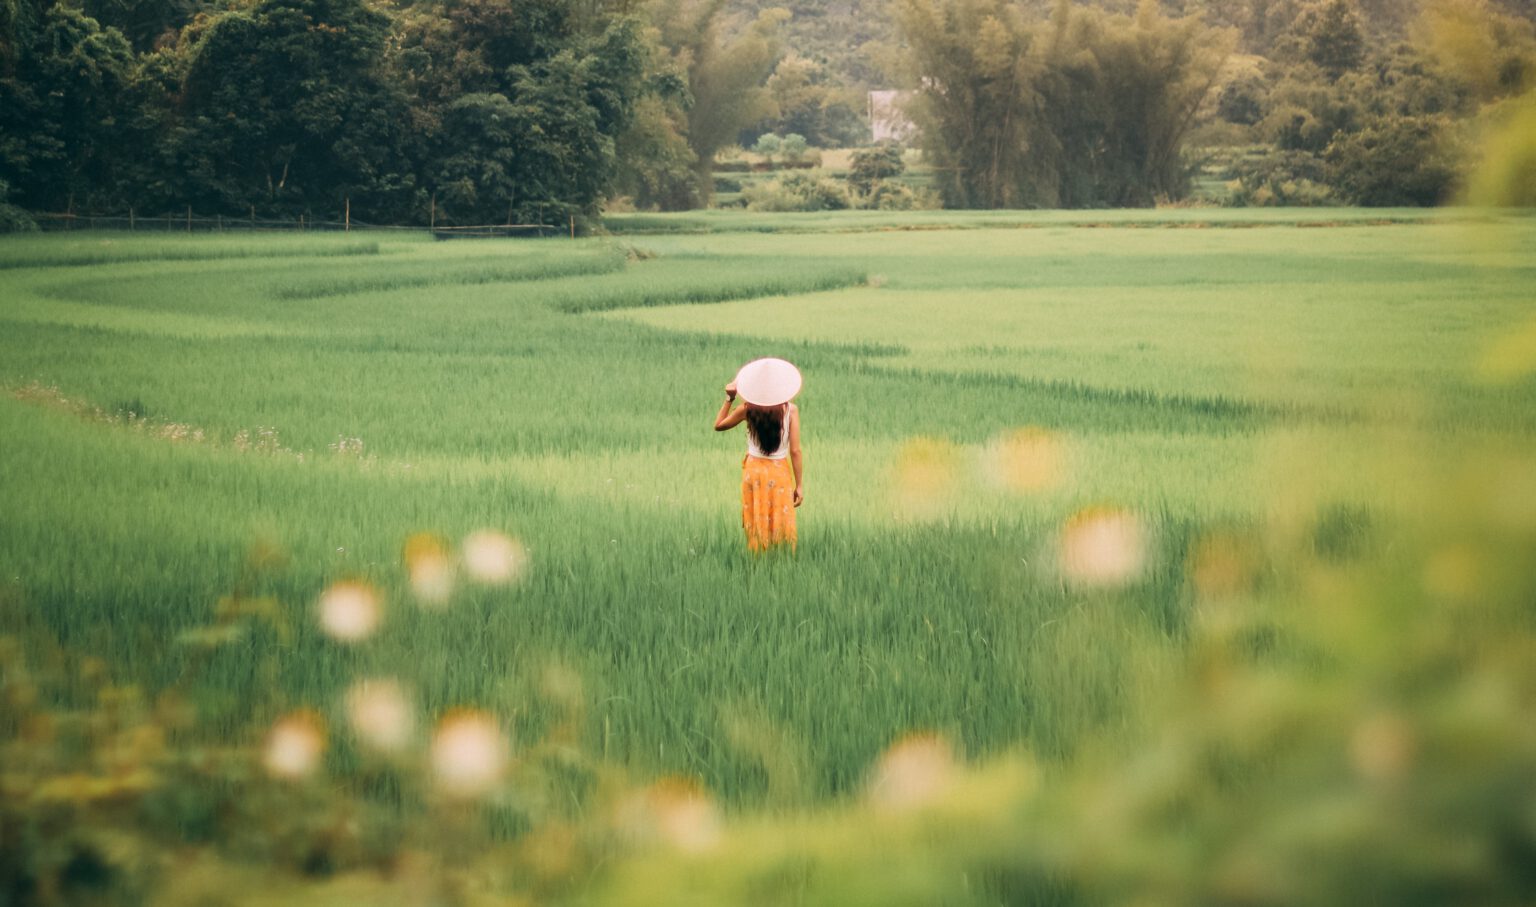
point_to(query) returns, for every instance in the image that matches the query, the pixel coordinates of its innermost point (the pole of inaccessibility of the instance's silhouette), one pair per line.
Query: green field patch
(545, 265)
(649, 284)
(740, 221)
(1295, 388)
(54, 251)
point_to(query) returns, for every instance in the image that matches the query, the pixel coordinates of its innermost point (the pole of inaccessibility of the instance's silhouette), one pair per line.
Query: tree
(1394, 161)
(868, 167)
(768, 147)
(284, 107)
(1492, 52)
(726, 78)
(1332, 37)
(60, 103)
(1084, 110)
(977, 74)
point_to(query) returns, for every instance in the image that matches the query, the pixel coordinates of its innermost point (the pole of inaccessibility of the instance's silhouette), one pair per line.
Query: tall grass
(197, 450)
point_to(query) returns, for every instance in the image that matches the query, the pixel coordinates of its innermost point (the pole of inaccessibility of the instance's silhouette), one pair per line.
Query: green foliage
(1505, 171)
(768, 145)
(60, 110)
(656, 165)
(1281, 178)
(871, 166)
(12, 218)
(809, 104)
(803, 191)
(1491, 51)
(793, 147)
(1331, 36)
(1243, 99)
(726, 75)
(1088, 109)
(1395, 161)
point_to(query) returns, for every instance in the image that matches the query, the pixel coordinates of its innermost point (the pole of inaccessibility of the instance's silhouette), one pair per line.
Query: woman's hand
(799, 497)
(730, 391)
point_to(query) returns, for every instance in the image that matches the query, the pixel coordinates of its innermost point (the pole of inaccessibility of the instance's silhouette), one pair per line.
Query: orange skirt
(768, 503)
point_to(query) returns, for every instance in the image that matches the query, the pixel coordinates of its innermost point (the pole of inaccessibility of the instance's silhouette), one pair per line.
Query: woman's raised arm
(726, 418)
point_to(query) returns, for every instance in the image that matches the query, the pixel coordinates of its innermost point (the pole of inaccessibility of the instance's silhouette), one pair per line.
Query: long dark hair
(767, 426)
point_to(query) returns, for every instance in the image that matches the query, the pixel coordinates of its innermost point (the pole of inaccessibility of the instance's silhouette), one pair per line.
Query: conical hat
(768, 382)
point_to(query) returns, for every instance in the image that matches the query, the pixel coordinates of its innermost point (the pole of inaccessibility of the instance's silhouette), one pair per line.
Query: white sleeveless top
(754, 451)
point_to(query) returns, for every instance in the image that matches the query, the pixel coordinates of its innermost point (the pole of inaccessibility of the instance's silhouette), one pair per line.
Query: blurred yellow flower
(915, 772)
(1382, 748)
(469, 754)
(294, 745)
(1024, 460)
(1511, 357)
(925, 477)
(1103, 547)
(493, 558)
(1222, 566)
(349, 611)
(381, 714)
(1454, 574)
(430, 568)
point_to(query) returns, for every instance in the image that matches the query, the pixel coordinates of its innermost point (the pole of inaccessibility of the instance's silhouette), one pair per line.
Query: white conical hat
(768, 382)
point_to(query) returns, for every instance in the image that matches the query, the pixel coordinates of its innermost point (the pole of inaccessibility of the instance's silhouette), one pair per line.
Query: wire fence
(188, 222)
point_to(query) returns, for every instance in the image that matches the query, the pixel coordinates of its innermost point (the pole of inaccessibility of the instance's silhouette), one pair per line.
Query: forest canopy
(538, 111)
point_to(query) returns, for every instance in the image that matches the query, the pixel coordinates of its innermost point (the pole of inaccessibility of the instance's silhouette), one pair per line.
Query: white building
(888, 121)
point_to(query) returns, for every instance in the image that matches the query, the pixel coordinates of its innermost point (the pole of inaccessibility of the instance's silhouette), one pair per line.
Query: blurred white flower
(381, 714)
(430, 569)
(686, 817)
(913, 773)
(674, 810)
(1103, 547)
(494, 558)
(349, 611)
(294, 746)
(469, 754)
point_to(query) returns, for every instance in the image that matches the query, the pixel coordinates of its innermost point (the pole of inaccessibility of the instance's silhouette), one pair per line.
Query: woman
(772, 479)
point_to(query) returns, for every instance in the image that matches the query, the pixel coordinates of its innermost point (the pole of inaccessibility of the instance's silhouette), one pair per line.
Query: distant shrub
(797, 192)
(1281, 179)
(1394, 161)
(893, 196)
(12, 218)
(793, 147)
(727, 184)
(869, 166)
(1242, 100)
(768, 146)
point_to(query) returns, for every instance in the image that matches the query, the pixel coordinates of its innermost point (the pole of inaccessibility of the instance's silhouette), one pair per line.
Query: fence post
(130, 220)
(349, 214)
(221, 222)
(301, 223)
(432, 217)
(573, 226)
(253, 217)
(189, 218)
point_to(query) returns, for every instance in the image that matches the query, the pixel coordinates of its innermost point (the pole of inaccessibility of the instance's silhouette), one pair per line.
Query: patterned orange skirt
(767, 503)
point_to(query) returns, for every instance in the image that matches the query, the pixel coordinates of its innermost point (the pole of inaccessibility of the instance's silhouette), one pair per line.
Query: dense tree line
(1359, 102)
(1085, 108)
(1358, 118)
(488, 111)
(533, 111)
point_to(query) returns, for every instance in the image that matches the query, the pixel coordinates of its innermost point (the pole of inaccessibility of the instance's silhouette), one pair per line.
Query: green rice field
(203, 434)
